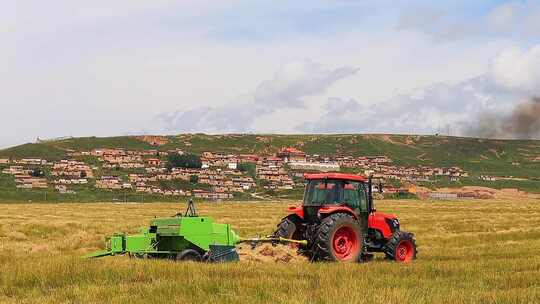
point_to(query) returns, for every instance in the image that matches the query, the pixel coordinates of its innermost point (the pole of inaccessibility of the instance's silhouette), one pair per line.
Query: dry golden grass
(469, 252)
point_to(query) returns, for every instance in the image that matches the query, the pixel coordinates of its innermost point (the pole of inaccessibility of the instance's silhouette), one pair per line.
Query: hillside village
(220, 176)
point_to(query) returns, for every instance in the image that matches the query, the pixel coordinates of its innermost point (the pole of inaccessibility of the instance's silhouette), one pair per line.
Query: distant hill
(519, 158)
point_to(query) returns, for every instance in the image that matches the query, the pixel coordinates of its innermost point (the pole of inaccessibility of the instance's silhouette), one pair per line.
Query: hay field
(484, 251)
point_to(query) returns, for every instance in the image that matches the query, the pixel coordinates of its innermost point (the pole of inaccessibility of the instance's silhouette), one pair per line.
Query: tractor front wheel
(188, 255)
(339, 238)
(401, 247)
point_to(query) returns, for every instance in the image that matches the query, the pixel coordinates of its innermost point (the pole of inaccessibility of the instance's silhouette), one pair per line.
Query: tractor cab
(337, 215)
(328, 193)
(331, 194)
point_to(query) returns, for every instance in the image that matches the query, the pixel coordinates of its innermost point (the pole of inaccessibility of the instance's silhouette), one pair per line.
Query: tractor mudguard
(378, 221)
(298, 210)
(326, 210)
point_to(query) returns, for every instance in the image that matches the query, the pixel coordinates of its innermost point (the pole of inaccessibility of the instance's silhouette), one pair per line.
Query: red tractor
(340, 223)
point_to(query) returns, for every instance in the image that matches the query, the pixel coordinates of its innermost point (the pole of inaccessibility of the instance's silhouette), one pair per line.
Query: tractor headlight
(396, 224)
(393, 224)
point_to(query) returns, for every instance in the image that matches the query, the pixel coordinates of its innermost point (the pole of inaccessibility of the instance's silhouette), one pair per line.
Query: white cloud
(518, 70)
(519, 17)
(423, 112)
(514, 76)
(503, 18)
(295, 81)
(504, 21)
(288, 88)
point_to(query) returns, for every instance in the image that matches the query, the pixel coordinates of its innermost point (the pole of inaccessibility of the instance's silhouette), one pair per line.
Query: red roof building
(291, 154)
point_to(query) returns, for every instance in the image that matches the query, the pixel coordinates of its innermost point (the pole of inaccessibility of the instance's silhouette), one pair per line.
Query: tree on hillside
(37, 173)
(248, 168)
(184, 161)
(194, 179)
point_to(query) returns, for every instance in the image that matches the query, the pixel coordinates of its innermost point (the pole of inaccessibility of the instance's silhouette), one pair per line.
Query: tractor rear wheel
(401, 247)
(189, 255)
(339, 238)
(289, 228)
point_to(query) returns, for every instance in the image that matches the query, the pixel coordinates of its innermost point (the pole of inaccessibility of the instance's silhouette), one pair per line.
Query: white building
(325, 167)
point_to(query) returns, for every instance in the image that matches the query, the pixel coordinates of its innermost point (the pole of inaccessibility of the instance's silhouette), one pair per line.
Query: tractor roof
(343, 176)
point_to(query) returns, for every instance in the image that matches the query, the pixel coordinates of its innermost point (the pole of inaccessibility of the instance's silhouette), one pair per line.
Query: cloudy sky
(130, 66)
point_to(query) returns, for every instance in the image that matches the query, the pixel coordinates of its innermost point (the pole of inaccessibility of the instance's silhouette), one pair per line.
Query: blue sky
(131, 66)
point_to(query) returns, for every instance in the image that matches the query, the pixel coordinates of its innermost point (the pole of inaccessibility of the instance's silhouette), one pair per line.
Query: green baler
(187, 237)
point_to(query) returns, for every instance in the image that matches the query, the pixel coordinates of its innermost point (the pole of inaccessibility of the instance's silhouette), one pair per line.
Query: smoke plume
(523, 122)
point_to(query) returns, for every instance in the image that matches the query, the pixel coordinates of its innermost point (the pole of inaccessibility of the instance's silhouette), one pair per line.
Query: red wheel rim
(345, 243)
(404, 251)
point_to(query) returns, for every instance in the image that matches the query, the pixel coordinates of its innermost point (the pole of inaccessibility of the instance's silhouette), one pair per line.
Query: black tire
(401, 247)
(188, 255)
(324, 247)
(289, 228)
(137, 256)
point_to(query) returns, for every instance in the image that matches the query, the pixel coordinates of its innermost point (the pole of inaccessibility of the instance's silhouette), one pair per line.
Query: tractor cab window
(354, 196)
(323, 192)
(335, 192)
(350, 194)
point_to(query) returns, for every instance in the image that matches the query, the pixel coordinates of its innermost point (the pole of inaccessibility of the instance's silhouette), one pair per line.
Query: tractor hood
(383, 215)
(385, 223)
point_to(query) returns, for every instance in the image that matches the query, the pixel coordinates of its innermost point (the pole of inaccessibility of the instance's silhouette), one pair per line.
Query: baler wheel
(401, 247)
(339, 238)
(136, 255)
(189, 255)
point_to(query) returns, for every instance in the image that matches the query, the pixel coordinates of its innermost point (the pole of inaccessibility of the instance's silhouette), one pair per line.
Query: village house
(72, 168)
(145, 153)
(175, 151)
(210, 159)
(270, 161)
(157, 190)
(27, 182)
(63, 181)
(110, 182)
(124, 166)
(32, 161)
(173, 192)
(248, 158)
(16, 170)
(314, 166)
(154, 162)
(4, 161)
(271, 170)
(155, 170)
(291, 154)
(245, 182)
(63, 189)
(120, 159)
(211, 195)
(488, 178)
(102, 151)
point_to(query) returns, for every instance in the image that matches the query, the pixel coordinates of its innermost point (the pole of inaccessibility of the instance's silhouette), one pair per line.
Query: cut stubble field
(475, 251)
